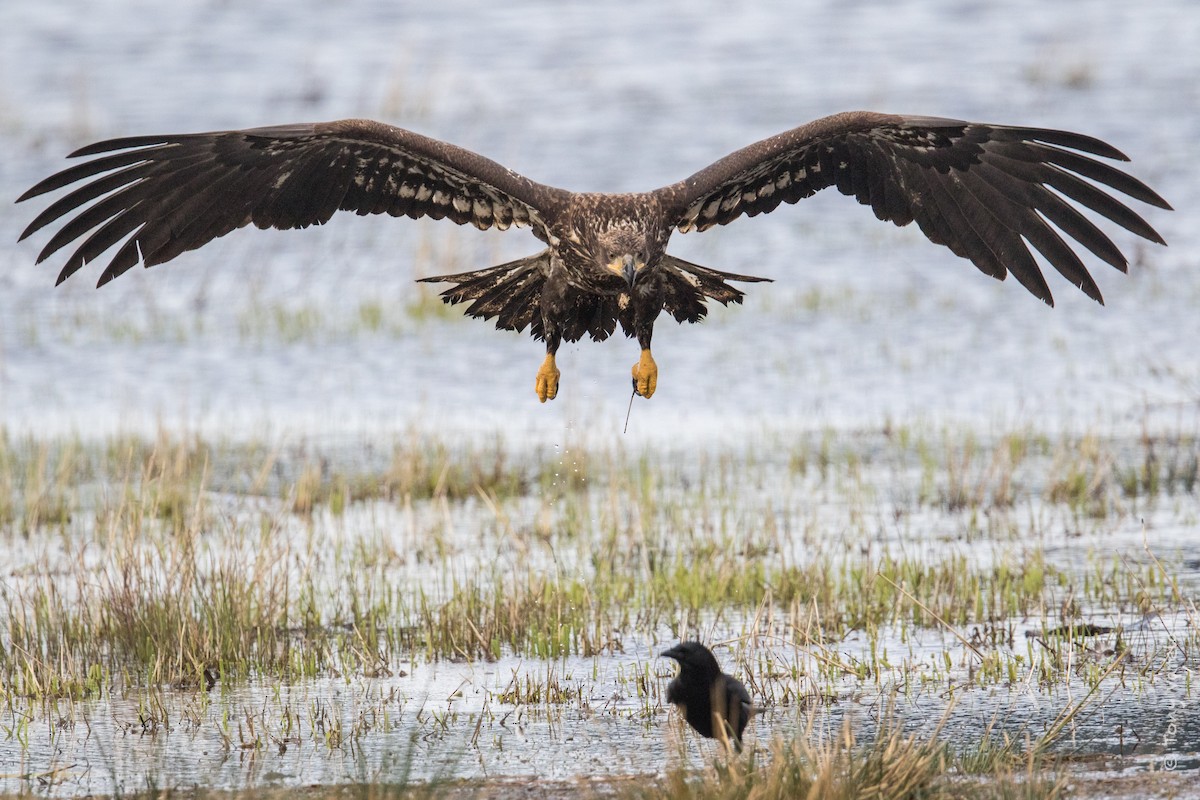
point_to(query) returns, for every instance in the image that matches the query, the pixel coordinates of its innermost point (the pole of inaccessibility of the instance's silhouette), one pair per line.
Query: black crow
(715, 704)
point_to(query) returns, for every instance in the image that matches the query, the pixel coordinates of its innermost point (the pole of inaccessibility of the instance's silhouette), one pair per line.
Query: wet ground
(1121, 689)
(321, 336)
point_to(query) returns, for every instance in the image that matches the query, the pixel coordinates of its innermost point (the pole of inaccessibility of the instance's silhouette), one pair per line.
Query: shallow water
(441, 721)
(262, 335)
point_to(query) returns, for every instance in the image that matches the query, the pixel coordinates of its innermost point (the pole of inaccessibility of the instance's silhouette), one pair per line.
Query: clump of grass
(158, 615)
(1081, 478)
(47, 484)
(1166, 465)
(979, 480)
(36, 483)
(532, 614)
(417, 471)
(1091, 477)
(532, 690)
(891, 766)
(167, 478)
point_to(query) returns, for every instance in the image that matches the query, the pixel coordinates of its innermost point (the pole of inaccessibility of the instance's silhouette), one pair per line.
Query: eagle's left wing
(168, 194)
(981, 190)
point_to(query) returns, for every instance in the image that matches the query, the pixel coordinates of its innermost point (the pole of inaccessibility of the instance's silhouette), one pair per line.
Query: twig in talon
(629, 411)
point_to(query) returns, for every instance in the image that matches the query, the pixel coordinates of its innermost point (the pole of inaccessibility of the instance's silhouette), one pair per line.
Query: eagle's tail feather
(508, 292)
(511, 294)
(692, 284)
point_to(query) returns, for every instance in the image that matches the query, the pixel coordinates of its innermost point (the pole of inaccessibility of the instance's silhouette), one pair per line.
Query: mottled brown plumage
(987, 192)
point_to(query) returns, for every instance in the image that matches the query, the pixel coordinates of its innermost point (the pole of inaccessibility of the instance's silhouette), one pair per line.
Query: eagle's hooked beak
(629, 269)
(627, 266)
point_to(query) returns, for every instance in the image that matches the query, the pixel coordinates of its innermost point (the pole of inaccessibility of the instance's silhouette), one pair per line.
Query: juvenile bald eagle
(985, 191)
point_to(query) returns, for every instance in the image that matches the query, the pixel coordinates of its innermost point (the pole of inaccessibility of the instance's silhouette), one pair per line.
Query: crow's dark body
(716, 705)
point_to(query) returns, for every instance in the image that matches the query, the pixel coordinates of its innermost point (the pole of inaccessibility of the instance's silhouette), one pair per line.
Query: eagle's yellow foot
(645, 375)
(547, 379)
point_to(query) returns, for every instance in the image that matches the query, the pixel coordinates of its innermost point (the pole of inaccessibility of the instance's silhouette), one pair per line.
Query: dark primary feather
(716, 705)
(977, 189)
(178, 192)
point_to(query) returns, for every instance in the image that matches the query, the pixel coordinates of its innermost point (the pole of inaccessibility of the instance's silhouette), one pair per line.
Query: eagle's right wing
(985, 191)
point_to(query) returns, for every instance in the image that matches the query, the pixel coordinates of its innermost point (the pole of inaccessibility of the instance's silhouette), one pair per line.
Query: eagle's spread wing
(178, 192)
(981, 190)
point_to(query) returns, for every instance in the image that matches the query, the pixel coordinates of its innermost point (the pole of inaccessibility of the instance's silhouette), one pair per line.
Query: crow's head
(694, 659)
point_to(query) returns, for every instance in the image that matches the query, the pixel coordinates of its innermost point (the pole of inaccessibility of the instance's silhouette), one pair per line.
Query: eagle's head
(624, 251)
(612, 243)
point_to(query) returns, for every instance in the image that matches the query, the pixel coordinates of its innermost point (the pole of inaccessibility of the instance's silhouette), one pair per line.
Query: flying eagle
(985, 191)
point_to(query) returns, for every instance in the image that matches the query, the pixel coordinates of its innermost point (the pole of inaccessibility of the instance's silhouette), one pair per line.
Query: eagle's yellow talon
(645, 375)
(547, 380)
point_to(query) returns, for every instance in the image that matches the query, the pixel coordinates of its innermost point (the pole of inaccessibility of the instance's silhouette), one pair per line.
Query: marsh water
(320, 339)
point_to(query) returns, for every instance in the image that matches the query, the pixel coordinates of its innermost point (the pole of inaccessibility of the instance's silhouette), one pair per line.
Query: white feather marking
(729, 203)
(785, 180)
(282, 177)
(766, 191)
(407, 191)
(423, 193)
(710, 210)
(440, 198)
(460, 203)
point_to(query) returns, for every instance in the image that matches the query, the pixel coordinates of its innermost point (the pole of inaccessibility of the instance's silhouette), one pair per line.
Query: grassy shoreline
(168, 575)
